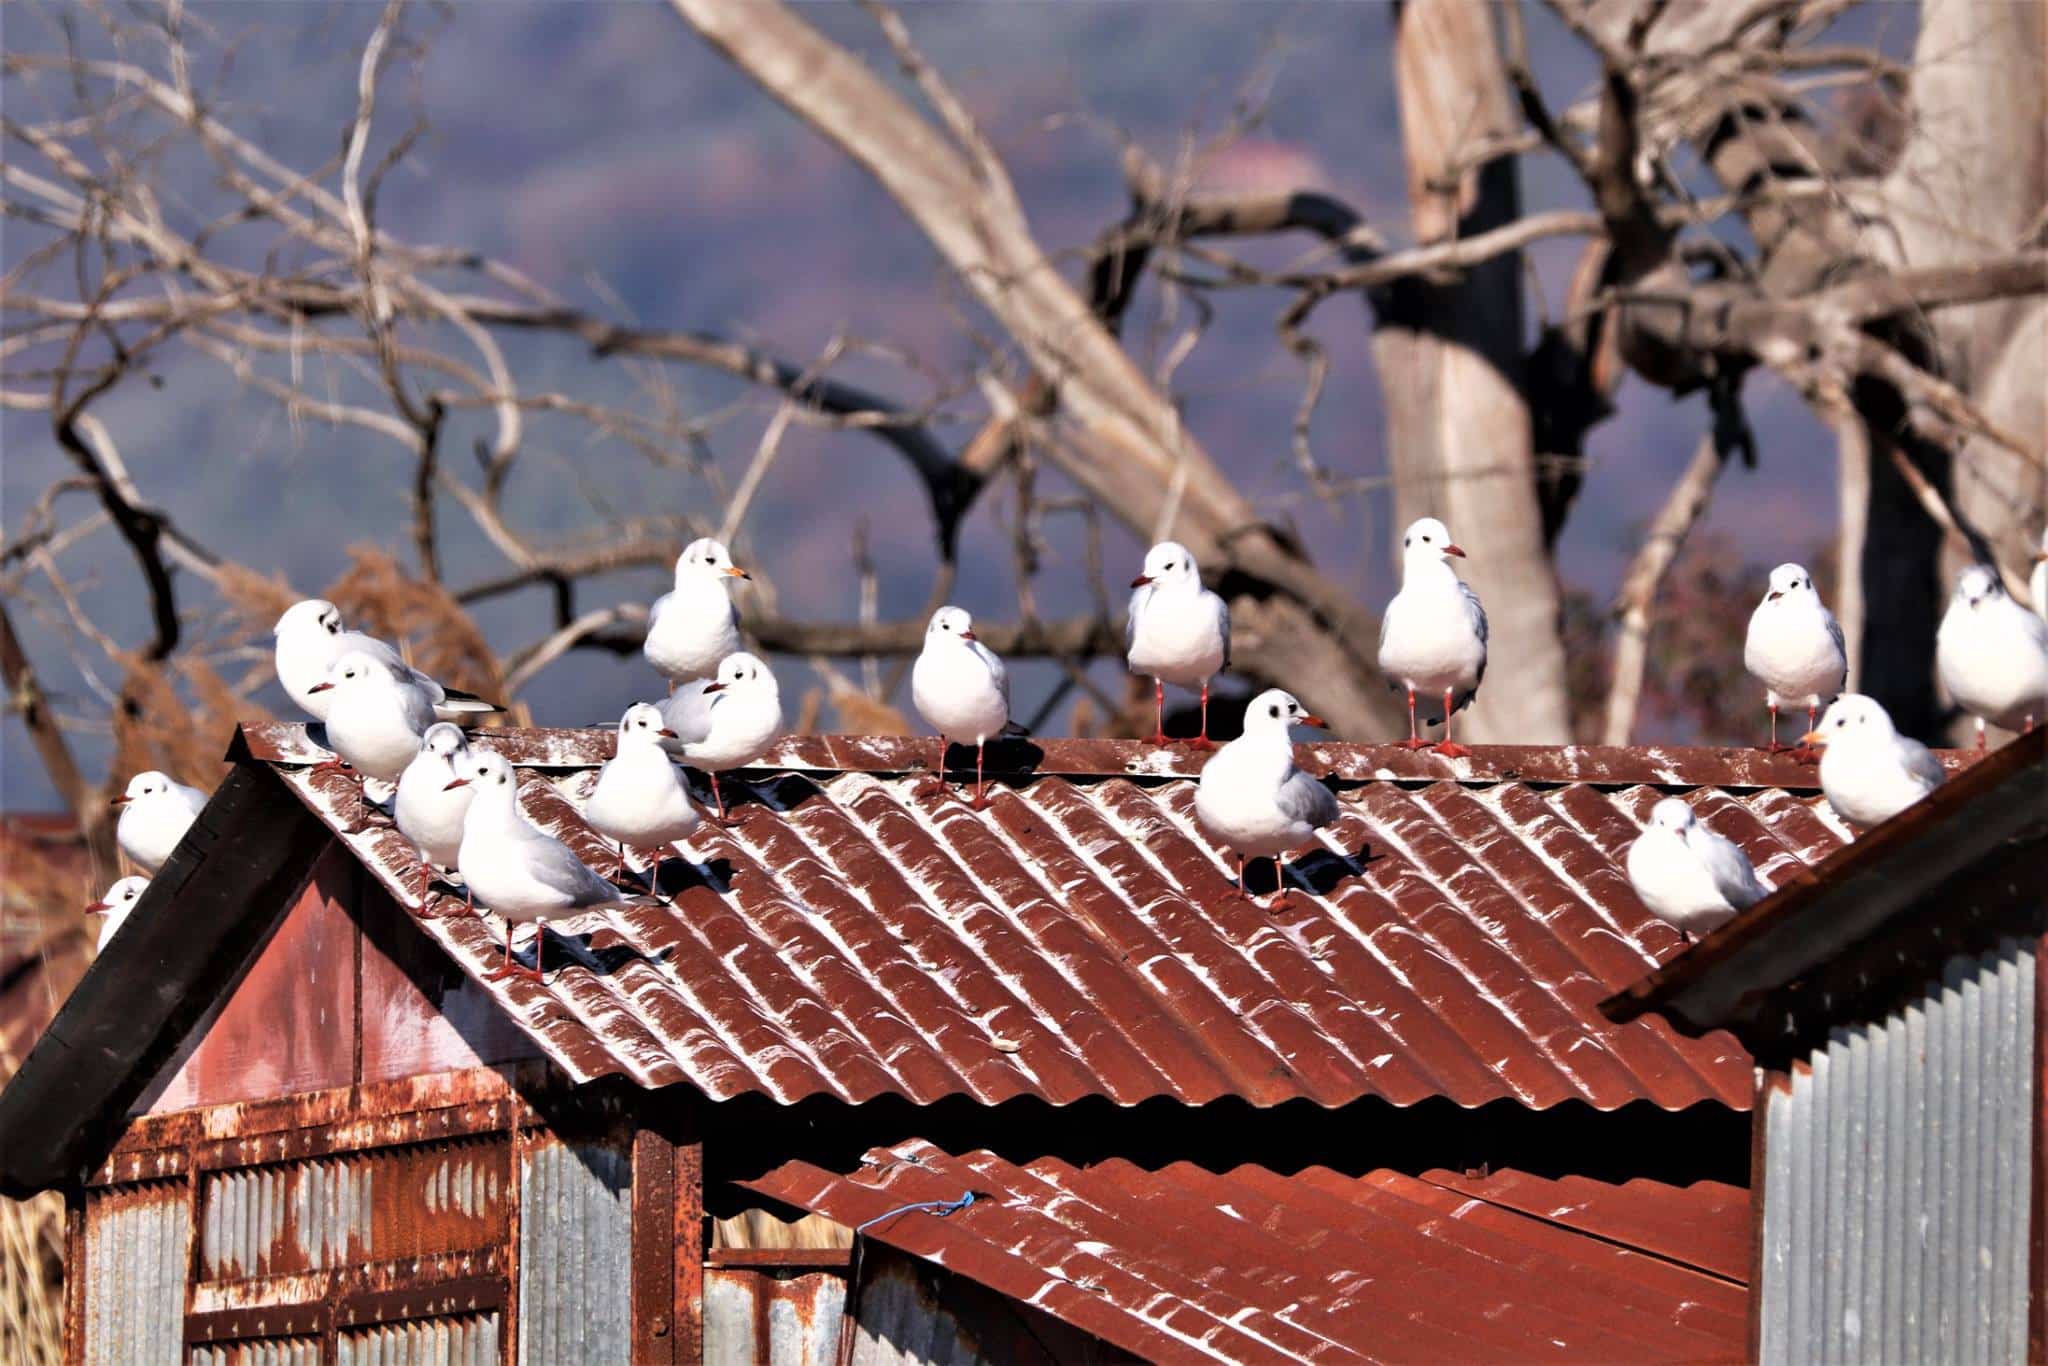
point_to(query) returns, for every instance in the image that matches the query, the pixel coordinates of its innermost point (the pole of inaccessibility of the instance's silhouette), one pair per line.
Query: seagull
(2037, 582)
(1251, 795)
(310, 640)
(377, 719)
(962, 691)
(115, 905)
(1869, 771)
(726, 723)
(155, 814)
(520, 871)
(426, 809)
(640, 798)
(692, 628)
(1177, 632)
(1690, 878)
(1795, 648)
(1992, 654)
(1433, 637)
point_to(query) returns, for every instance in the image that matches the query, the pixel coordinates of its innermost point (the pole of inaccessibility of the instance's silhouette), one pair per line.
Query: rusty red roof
(849, 937)
(1251, 1265)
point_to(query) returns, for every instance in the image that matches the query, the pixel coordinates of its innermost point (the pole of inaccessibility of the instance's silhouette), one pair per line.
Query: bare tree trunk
(1451, 365)
(88, 805)
(1852, 505)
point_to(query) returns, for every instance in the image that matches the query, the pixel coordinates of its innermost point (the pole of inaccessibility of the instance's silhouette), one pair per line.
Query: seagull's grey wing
(1223, 624)
(998, 675)
(190, 796)
(554, 865)
(389, 657)
(1302, 798)
(1920, 761)
(1474, 612)
(688, 713)
(1835, 633)
(1730, 868)
(1139, 597)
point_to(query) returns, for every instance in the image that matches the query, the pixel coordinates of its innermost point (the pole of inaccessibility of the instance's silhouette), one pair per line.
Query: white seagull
(2037, 582)
(520, 871)
(155, 814)
(1177, 632)
(961, 690)
(640, 798)
(426, 809)
(1433, 636)
(1251, 795)
(1869, 771)
(727, 723)
(1691, 878)
(694, 626)
(115, 905)
(1992, 654)
(1795, 648)
(310, 640)
(376, 719)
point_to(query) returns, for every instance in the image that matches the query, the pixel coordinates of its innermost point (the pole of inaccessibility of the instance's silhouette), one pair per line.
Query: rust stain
(849, 938)
(1249, 1264)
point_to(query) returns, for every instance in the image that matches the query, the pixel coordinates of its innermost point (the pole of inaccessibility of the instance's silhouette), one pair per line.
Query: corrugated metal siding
(268, 1352)
(758, 1316)
(374, 1206)
(1253, 1265)
(137, 1244)
(575, 1253)
(850, 937)
(433, 1342)
(1897, 1178)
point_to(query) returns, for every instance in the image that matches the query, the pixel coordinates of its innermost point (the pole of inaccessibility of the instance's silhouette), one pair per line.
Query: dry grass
(32, 1281)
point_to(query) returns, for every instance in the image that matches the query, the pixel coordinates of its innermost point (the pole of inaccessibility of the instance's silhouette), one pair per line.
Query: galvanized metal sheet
(1897, 1179)
(762, 1316)
(137, 1244)
(429, 1342)
(261, 1352)
(1252, 1265)
(378, 1206)
(848, 936)
(575, 1253)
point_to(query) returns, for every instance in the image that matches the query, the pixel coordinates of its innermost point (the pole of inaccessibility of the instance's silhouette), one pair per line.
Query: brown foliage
(430, 628)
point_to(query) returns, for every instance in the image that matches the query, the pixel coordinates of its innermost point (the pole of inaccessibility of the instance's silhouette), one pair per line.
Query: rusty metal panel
(1250, 1264)
(759, 1316)
(429, 1342)
(575, 1253)
(1898, 1178)
(261, 1352)
(383, 1205)
(853, 938)
(1706, 1224)
(137, 1244)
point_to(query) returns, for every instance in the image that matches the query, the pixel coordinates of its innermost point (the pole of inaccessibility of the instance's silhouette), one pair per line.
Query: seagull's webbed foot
(1201, 742)
(1802, 754)
(1413, 742)
(1451, 749)
(1159, 739)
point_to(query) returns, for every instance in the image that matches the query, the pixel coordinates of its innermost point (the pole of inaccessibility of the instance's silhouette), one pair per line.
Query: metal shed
(294, 1122)
(1894, 1004)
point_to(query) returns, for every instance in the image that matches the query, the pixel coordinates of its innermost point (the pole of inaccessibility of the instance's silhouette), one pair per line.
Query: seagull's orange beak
(736, 572)
(967, 635)
(2040, 556)
(459, 782)
(1813, 737)
(667, 734)
(1313, 720)
(714, 687)
(1454, 550)
(1141, 580)
(319, 687)
(121, 800)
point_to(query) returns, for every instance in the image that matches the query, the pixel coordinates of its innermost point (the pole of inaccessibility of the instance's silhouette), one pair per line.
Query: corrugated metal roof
(1250, 1265)
(852, 938)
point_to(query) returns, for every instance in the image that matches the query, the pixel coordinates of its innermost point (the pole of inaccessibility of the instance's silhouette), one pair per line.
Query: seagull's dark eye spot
(1272, 711)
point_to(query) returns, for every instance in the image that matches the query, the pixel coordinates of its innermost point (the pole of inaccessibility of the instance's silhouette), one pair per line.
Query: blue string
(938, 1209)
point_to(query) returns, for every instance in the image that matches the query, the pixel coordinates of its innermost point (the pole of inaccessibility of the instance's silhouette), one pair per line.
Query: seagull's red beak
(459, 782)
(1454, 550)
(1773, 595)
(1313, 720)
(121, 800)
(319, 687)
(739, 573)
(967, 635)
(1141, 580)
(667, 734)
(714, 687)
(99, 908)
